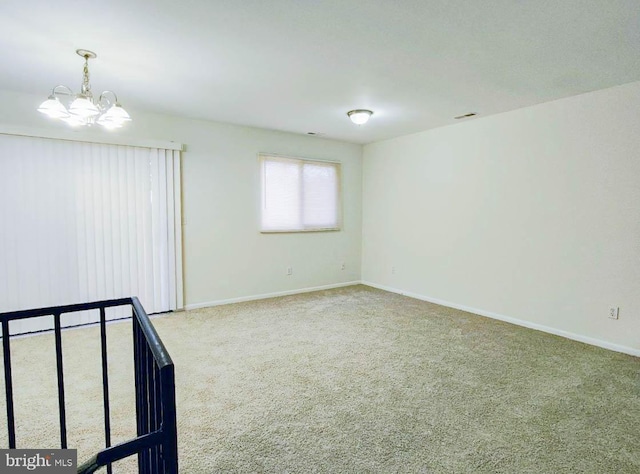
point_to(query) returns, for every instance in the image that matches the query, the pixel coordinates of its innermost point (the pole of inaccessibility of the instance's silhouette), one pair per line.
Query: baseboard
(519, 322)
(270, 295)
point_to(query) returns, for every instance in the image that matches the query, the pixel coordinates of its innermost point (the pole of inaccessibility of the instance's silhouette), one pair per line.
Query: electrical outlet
(343, 266)
(393, 270)
(289, 270)
(614, 312)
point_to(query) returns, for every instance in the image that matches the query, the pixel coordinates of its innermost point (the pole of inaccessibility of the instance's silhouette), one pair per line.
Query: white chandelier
(83, 109)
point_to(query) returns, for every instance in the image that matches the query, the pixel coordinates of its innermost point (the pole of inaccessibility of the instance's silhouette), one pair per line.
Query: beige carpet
(352, 380)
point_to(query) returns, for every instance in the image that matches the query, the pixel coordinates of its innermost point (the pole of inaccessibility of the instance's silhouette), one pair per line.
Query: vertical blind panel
(84, 222)
(176, 275)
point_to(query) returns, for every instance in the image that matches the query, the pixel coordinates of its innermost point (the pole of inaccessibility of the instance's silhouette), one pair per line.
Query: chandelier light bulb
(117, 113)
(83, 109)
(110, 125)
(75, 121)
(53, 108)
(115, 117)
(360, 116)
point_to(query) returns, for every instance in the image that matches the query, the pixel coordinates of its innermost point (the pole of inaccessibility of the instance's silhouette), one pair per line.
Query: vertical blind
(299, 195)
(83, 221)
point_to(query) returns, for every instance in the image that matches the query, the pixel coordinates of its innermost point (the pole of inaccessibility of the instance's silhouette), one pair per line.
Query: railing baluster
(154, 396)
(147, 405)
(61, 404)
(138, 381)
(153, 420)
(105, 383)
(154, 377)
(170, 442)
(8, 384)
(157, 399)
(140, 351)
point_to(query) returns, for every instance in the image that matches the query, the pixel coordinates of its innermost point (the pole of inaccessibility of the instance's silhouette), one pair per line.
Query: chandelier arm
(66, 91)
(106, 99)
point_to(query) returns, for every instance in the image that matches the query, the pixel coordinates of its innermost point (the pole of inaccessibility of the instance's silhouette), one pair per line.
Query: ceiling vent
(472, 114)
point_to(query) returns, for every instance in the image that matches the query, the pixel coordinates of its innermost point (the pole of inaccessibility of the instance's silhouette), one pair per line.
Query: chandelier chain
(86, 86)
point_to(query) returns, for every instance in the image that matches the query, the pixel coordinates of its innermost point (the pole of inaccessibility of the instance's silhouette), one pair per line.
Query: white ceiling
(300, 65)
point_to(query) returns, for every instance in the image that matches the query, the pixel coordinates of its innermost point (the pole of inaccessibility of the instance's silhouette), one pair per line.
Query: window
(299, 195)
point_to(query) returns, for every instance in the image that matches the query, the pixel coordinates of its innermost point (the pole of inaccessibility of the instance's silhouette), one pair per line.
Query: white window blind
(82, 222)
(299, 195)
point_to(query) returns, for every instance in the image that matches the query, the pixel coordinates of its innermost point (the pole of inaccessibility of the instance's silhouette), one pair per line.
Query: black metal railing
(156, 441)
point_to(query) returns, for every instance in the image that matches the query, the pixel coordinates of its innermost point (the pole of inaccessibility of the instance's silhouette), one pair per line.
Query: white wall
(225, 257)
(532, 214)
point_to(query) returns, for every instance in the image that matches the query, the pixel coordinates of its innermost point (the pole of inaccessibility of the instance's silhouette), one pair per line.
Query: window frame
(264, 156)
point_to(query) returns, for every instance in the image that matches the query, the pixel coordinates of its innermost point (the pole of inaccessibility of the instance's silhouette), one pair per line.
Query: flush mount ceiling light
(82, 108)
(359, 116)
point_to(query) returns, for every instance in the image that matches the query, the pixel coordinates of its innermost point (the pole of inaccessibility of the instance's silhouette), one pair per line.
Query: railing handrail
(159, 351)
(70, 308)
